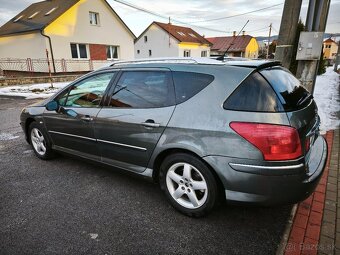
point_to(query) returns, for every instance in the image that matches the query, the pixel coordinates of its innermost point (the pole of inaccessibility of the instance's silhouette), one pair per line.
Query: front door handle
(86, 118)
(151, 124)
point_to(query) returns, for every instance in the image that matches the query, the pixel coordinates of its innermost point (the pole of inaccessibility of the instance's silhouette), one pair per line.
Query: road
(70, 206)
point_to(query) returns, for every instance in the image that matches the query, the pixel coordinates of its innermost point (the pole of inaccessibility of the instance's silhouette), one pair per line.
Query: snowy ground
(327, 98)
(326, 95)
(43, 90)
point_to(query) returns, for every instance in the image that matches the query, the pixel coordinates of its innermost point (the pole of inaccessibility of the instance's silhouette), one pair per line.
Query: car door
(71, 127)
(138, 109)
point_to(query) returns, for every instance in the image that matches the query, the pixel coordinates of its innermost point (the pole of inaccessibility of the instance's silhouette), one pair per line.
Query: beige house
(69, 30)
(330, 49)
(168, 40)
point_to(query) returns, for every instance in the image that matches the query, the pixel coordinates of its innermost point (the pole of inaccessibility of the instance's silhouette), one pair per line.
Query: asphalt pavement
(70, 206)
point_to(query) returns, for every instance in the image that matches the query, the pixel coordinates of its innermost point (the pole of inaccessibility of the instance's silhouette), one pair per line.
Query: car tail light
(276, 142)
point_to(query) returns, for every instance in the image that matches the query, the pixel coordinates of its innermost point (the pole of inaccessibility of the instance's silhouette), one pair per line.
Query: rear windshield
(291, 93)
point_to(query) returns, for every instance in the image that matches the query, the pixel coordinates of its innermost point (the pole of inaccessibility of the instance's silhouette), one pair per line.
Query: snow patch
(93, 236)
(42, 90)
(326, 94)
(7, 137)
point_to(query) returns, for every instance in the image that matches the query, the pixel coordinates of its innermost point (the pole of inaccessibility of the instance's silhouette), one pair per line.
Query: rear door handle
(151, 124)
(86, 118)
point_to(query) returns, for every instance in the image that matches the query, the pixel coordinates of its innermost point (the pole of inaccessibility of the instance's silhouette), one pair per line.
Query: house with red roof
(244, 46)
(167, 40)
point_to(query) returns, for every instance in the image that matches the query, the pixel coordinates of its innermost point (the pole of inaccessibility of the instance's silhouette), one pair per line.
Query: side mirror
(52, 106)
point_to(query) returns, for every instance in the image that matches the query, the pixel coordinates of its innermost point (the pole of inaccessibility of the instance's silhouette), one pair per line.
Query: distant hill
(274, 37)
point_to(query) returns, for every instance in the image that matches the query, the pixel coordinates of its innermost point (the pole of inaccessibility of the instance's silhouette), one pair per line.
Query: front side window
(78, 50)
(143, 89)
(112, 52)
(94, 18)
(86, 93)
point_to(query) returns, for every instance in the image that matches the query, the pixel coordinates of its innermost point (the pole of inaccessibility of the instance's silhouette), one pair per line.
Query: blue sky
(195, 12)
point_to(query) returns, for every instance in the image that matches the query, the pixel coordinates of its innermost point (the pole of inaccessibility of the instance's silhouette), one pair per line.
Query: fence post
(63, 65)
(49, 68)
(91, 65)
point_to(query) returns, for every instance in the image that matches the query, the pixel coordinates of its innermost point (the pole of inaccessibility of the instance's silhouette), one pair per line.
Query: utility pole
(270, 34)
(289, 23)
(316, 22)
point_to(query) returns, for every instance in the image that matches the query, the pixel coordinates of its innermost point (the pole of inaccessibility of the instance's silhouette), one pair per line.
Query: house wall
(252, 49)
(158, 43)
(330, 53)
(74, 27)
(195, 49)
(23, 46)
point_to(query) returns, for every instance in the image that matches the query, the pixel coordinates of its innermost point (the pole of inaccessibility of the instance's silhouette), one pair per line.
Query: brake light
(276, 142)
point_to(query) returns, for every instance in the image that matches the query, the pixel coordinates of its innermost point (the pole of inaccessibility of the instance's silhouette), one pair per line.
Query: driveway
(70, 206)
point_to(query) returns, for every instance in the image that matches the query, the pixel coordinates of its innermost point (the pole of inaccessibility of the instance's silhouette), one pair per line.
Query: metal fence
(41, 65)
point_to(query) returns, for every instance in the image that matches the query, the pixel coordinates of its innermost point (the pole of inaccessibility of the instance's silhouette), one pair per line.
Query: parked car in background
(246, 131)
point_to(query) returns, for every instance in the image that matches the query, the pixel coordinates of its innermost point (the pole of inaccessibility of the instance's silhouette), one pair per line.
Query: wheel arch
(28, 122)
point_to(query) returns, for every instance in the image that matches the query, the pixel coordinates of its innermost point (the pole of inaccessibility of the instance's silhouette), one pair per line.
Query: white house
(68, 29)
(167, 40)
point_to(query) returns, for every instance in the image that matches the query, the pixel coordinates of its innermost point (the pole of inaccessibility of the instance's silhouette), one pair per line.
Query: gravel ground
(70, 206)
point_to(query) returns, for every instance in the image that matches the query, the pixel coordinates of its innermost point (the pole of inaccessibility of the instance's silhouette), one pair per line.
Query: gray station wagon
(244, 131)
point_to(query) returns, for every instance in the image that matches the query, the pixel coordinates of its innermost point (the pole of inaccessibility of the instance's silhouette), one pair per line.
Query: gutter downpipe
(51, 49)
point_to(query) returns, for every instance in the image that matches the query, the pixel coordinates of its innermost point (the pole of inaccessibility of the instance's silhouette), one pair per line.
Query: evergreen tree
(294, 62)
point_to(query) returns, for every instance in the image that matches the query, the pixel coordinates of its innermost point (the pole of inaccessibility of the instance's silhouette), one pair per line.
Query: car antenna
(221, 58)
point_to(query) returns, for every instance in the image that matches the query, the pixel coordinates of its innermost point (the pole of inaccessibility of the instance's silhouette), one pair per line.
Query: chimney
(243, 33)
(234, 33)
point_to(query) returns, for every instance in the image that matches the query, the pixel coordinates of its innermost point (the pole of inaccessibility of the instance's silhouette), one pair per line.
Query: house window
(50, 11)
(203, 53)
(112, 52)
(150, 53)
(33, 15)
(138, 51)
(186, 53)
(145, 39)
(78, 50)
(18, 18)
(192, 35)
(94, 18)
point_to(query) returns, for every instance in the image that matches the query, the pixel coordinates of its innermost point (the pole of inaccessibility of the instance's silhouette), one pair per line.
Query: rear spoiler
(256, 64)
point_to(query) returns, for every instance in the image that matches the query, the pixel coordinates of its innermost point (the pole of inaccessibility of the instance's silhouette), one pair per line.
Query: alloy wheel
(38, 141)
(186, 185)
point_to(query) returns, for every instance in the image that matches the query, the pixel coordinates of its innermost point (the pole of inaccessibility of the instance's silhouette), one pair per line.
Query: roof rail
(184, 60)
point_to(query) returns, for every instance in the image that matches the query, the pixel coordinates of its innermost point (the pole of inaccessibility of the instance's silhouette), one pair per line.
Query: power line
(164, 17)
(240, 14)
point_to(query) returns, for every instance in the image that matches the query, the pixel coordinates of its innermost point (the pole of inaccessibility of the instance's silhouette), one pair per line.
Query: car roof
(176, 62)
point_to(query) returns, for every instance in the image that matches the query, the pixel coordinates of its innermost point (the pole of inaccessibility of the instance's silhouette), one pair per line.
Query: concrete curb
(282, 246)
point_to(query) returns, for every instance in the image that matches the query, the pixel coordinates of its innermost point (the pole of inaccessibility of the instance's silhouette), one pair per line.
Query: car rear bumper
(271, 183)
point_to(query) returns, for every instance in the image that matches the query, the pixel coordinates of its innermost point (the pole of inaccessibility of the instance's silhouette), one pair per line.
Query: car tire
(188, 184)
(40, 142)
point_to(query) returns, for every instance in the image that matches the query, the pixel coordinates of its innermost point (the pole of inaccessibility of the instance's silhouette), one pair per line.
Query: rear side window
(188, 84)
(254, 95)
(143, 89)
(292, 95)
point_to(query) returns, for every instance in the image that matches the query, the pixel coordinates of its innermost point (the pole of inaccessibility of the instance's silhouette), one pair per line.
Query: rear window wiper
(304, 99)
